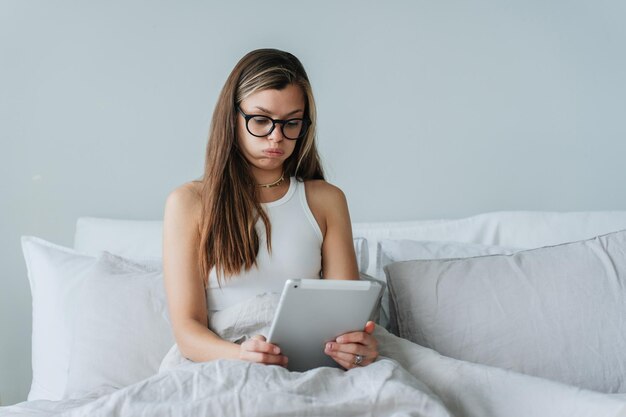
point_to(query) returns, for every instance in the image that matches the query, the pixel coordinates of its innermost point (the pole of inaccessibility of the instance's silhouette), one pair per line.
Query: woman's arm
(330, 209)
(185, 290)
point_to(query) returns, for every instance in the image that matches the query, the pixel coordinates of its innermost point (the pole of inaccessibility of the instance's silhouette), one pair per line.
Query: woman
(261, 214)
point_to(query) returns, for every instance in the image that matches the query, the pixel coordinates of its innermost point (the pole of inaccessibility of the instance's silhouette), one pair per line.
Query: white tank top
(296, 252)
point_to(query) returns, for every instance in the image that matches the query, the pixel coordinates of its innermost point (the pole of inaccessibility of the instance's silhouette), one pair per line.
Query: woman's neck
(267, 179)
(269, 194)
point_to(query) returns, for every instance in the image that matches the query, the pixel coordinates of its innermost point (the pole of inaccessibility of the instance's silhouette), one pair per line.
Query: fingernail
(340, 340)
(329, 346)
(276, 351)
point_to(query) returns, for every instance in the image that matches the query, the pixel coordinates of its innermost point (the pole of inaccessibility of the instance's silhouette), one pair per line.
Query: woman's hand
(354, 349)
(256, 349)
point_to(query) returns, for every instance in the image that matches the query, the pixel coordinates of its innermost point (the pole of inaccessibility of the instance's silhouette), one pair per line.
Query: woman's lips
(273, 152)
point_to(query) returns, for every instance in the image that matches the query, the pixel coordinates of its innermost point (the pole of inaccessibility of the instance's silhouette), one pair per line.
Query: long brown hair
(230, 206)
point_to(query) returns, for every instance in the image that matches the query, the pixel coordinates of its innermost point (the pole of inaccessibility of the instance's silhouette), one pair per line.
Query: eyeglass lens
(263, 126)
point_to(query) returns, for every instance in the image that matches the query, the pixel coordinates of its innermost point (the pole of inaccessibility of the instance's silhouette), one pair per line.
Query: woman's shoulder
(322, 193)
(185, 199)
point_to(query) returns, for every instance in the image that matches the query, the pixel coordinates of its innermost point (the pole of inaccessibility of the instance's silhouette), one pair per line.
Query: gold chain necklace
(273, 184)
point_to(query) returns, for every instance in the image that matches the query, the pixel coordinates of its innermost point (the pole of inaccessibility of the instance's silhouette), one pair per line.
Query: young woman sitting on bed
(261, 214)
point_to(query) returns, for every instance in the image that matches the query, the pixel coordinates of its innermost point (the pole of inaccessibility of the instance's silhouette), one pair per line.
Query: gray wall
(427, 109)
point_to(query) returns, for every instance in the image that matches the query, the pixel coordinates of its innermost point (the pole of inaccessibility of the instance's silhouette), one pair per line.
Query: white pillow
(54, 272)
(75, 295)
(119, 327)
(141, 239)
(362, 253)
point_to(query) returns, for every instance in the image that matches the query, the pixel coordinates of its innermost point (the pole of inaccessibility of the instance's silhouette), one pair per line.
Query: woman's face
(268, 153)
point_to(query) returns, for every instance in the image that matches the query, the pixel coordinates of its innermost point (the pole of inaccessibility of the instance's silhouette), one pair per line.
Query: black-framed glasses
(261, 126)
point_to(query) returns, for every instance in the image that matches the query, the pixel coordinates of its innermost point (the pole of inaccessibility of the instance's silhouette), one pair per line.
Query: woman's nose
(277, 133)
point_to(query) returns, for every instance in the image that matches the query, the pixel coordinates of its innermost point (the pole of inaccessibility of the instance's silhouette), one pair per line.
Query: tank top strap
(301, 192)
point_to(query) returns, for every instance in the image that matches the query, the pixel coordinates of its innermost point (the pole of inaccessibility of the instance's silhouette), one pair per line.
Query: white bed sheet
(241, 389)
(399, 387)
(408, 380)
(474, 390)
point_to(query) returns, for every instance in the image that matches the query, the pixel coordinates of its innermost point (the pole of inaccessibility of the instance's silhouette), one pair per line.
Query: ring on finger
(358, 359)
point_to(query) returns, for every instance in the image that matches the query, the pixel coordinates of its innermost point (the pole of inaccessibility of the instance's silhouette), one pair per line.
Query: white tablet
(312, 312)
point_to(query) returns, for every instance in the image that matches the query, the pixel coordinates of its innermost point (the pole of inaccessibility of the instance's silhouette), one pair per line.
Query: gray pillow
(394, 250)
(557, 312)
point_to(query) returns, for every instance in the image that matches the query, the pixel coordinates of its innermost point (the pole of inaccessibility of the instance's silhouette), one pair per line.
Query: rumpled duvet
(407, 380)
(237, 388)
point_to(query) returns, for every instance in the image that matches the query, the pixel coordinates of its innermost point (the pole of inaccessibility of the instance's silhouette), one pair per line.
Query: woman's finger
(354, 337)
(346, 357)
(342, 360)
(361, 338)
(344, 364)
(256, 349)
(347, 360)
(351, 348)
(248, 354)
(258, 345)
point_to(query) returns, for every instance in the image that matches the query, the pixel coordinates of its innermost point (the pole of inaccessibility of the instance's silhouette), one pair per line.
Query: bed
(499, 314)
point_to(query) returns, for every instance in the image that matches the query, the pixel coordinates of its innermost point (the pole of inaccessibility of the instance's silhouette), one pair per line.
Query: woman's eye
(294, 123)
(261, 121)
